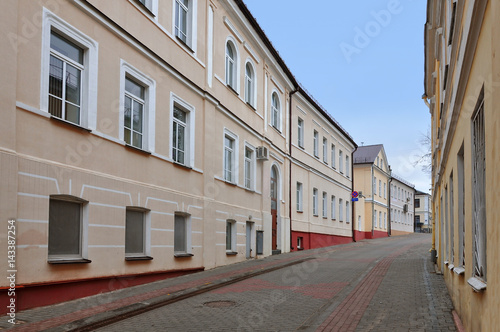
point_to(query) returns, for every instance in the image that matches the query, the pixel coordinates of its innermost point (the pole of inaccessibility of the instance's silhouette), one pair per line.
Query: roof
(418, 192)
(366, 154)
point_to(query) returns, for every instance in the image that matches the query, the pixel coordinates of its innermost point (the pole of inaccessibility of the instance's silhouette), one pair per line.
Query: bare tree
(425, 159)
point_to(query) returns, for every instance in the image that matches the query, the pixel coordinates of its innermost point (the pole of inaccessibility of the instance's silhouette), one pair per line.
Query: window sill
(274, 127)
(250, 190)
(325, 217)
(317, 157)
(183, 166)
(232, 89)
(477, 284)
(138, 258)
(184, 44)
(315, 215)
(74, 125)
(459, 270)
(301, 146)
(137, 149)
(68, 261)
(231, 183)
(231, 253)
(251, 106)
(182, 254)
(300, 211)
(451, 267)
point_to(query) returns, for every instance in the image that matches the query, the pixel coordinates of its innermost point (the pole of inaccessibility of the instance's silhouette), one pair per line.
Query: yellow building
(372, 174)
(462, 71)
(143, 139)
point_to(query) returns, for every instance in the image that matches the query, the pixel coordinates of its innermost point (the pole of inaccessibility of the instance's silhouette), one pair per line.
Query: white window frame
(233, 234)
(300, 196)
(276, 121)
(341, 160)
(187, 225)
(325, 205)
(325, 150)
(385, 190)
(84, 216)
(315, 143)
(189, 139)
(191, 35)
(315, 202)
(380, 188)
(341, 209)
(146, 235)
(347, 212)
(347, 166)
(333, 203)
(251, 95)
(380, 219)
(232, 81)
(374, 185)
(88, 106)
(152, 7)
(149, 111)
(385, 220)
(300, 132)
(234, 157)
(252, 163)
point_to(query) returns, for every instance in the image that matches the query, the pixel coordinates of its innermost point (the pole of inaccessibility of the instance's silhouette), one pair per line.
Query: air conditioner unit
(405, 208)
(262, 153)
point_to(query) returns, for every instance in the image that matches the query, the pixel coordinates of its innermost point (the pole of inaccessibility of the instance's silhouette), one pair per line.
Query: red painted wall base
(368, 235)
(315, 240)
(32, 296)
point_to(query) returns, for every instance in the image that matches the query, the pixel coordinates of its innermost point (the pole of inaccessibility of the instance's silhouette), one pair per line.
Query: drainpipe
(290, 170)
(353, 219)
(389, 212)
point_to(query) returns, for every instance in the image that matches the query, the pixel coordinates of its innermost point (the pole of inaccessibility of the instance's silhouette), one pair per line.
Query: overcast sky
(363, 60)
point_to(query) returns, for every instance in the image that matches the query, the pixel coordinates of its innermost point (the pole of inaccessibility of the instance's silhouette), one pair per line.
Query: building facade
(402, 209)
(372, 174)
(150, 138)
(423, 212)
(462, 72)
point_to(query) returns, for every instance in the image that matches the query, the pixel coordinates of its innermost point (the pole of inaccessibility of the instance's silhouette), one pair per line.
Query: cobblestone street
(378, 285)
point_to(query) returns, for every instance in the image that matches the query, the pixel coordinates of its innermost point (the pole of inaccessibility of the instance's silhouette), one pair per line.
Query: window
(230, 158)
(249, 168)
(385, 190)
(69, 73)
(382, 164)
(136, 239)
(182, 238)
(380, 218)
(479, 196)
(231, 65)
(182, 140)
(333, 155)
(250, 84)
(315, 146)
(347, 212)
(385, 220)
(231, 236)
(341, 159)
(380, 188)
(378, 161)
(325, 153)
(325, 206)
(181, 20)
(375, 219)
(137, 111)
(315, 201)
(347, 166)
(417, 202)
(300, 132)
(333, 207)
(374, 185)
(341, 208)
(452, 23)
(150, 5)
(67, 228)
(461, 207)
(299, 196)
(300, 241)
(275, 111)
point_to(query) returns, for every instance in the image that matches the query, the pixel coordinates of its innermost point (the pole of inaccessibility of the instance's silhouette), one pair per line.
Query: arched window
(231, 64)
(249, 84)
(275, 111)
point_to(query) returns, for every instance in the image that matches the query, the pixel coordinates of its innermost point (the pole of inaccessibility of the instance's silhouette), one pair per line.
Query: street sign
(354, 194)
(354, 199)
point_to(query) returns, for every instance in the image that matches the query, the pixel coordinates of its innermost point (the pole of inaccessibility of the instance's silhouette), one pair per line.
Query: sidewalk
(374, 285)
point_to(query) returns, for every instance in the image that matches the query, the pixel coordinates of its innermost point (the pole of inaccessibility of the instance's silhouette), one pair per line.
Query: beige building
(462, 71)
(372, 175)
(402, 210)
(150, 138)
(423, 212)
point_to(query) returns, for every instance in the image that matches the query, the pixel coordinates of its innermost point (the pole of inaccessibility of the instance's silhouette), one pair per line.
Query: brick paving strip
(347, 315)
(90, 318)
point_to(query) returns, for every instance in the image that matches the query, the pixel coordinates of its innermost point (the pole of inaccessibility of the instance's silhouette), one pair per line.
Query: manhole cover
(219, 304)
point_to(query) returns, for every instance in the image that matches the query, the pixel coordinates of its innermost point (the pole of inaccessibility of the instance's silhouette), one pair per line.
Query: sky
(363, 61)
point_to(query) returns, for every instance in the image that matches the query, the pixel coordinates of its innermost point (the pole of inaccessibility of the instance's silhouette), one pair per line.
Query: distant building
(402, 207)
(371, 178)
(423, 212)
(462, 75)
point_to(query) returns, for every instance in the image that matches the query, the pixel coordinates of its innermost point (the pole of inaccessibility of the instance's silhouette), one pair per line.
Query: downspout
(373, 204)
(290, 170)
(353, 216)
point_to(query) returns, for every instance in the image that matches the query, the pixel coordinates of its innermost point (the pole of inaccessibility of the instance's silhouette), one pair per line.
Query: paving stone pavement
(374, 285)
